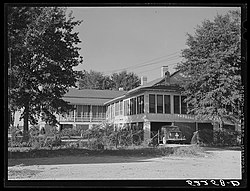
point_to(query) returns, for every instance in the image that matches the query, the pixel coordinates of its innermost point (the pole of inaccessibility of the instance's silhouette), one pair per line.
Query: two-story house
(89, 108)
(148, 107)
(153, 105)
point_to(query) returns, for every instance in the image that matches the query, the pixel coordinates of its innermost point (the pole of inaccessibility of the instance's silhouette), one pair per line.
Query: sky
(137, 39)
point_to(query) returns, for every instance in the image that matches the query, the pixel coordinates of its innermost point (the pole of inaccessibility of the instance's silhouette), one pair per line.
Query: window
(86, 110)
(140, 104)
(94, 111)
(183, 105)
(116, 108)
(126, 107)
(133, 106)
(112, 111)
(101, 111)
(151, 103)
(79, 110)
(121, 107)
(159, 103)
(130, 106)
(167, 105)
(108, 112)
(177, 104)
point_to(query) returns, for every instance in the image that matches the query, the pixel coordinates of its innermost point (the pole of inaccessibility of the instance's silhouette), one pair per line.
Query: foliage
(42, 51)
(70, 132)
(109, 137)
(212, 66)
(193, 150)
(226, 137)
(36, 139)
(96, 80)
(125, 80)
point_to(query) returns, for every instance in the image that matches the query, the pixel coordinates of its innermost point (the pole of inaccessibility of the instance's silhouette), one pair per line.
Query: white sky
(125, 37)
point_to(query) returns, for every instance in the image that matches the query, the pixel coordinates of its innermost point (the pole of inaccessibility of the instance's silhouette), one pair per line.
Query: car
(171, 134)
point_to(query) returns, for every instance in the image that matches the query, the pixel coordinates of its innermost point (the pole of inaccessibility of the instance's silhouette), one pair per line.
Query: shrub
(104, 135)
(70, 132)
(226, 137)
(193, 150)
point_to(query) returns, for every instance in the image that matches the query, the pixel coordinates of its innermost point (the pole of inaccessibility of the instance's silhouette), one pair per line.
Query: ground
(214, 164)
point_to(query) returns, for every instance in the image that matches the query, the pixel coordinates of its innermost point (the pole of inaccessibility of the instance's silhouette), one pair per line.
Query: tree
(94, 80)
(212, 63)
(125, 80)
(42, 51)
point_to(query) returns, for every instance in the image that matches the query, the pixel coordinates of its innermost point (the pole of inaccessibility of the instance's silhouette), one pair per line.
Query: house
(89, 108)
(148, 107)
(153, 105)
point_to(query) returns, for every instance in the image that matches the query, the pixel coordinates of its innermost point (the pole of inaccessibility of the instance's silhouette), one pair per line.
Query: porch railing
(83, 118)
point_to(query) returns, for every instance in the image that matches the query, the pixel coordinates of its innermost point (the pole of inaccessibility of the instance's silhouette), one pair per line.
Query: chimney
(143, 80)
(164, 69)
(166, 74)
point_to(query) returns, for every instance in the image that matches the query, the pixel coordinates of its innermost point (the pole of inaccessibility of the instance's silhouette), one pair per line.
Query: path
(218, 164)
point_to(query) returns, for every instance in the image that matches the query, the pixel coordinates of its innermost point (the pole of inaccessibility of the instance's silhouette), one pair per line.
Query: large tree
(212, 63)
(96, 80)
(125, 80)
(42, 49)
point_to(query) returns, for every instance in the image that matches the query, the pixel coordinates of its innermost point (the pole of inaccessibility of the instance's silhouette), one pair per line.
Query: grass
(193, 150)
(129, 151)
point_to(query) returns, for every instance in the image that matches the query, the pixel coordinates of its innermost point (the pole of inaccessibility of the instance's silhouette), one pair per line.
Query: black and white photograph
(144, 95)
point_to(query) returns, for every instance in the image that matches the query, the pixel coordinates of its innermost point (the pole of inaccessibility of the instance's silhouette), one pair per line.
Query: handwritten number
(189, 182)
(214, 183)
(198, 183)
(235, 183)
(204, 182)
(222, 182)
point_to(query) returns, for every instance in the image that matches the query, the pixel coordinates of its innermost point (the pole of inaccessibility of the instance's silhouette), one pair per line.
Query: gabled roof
(175, 79)
(91, 96)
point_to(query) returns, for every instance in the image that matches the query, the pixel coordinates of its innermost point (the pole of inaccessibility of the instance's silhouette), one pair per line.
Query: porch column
(90, 114)
(74, 116)
(171, 104)
(146, 103)
(146, 128)
(196, 126)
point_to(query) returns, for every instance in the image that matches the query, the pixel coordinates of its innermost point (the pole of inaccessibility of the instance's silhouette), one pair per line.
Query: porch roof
(90, 96)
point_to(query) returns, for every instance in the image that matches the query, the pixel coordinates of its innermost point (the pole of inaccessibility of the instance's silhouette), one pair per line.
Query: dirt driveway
(216, 164)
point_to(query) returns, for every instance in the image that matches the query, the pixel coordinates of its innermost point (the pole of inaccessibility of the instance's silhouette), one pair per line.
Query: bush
(19, 144)
(105, 136)
(226, 137)
(193, 150)
(70, 132)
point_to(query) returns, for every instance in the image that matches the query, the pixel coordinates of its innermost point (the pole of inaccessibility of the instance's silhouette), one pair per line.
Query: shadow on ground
(235, 148)
(84, 156)
(67, 160)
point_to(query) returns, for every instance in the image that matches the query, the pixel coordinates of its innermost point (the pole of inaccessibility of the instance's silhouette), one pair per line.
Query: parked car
(171, 134)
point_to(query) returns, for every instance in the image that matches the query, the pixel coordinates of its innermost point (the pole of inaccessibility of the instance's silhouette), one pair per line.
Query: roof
(175, 79)
(91, 96)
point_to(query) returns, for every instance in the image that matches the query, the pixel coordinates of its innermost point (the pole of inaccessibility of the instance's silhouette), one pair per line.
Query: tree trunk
(26, 124)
